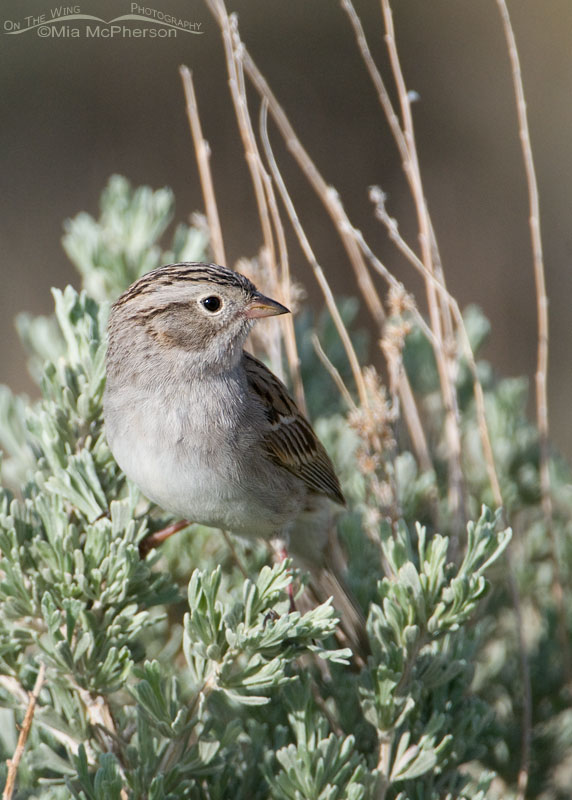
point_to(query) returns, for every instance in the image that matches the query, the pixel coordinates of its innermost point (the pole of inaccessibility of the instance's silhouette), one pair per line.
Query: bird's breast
(198, 453)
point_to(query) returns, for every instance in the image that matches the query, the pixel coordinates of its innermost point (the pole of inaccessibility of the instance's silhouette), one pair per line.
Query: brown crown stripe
(186, 271)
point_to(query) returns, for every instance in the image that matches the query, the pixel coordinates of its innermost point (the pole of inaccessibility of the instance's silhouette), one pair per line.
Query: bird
(206, 430)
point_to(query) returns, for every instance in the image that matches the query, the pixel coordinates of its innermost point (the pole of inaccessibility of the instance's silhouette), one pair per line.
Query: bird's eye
(211, 303)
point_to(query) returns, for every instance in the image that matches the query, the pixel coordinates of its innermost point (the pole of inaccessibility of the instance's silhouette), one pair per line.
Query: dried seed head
(374, 425)
(399, 301)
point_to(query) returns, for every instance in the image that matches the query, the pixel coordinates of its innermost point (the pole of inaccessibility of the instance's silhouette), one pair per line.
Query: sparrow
(207, 431)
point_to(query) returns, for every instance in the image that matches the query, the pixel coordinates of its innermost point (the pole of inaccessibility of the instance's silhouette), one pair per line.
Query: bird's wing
(289, 440)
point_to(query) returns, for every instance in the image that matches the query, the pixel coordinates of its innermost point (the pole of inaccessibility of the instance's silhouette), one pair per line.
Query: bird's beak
(261, 306)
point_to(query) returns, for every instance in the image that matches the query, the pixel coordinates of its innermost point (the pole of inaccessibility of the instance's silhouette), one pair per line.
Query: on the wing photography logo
(70, 22)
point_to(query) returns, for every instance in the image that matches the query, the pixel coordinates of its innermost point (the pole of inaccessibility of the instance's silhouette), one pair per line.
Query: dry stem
(412, 175)
(318, 273)
(203, 152)
(238, 93)
(13, 763)
(285, 280)
(541, 391)
(333, 372)
(445, 364)
(264, 192)
(326, 194)
(405, 141)
(257, 172)
(452, 304)
(236, 558)
(378, 82)
(542, 314)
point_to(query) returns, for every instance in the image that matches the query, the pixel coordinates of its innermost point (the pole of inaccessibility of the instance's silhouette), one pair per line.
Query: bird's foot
(153, 540)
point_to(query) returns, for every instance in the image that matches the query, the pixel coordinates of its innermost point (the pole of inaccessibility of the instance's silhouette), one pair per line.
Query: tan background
(76, 111)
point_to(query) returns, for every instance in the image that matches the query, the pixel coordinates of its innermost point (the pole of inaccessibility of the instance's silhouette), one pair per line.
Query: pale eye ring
(212, 303)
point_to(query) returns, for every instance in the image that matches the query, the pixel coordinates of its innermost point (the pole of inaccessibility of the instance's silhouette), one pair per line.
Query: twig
(15, 688)
(232, 548)
(542, 314)
(100, 716)
(13, 763)
(383, 764)
(262, 192)
(410, 410)
(335, 727)
(203, 152)
(412, 176)
(447, 298)
(318, 273)
(288, 330)
(238, 94)
(541, 396)
(232, 46)
(377, 80)
(327, 194)
(413, 422)
(333, 372)
(445, 364)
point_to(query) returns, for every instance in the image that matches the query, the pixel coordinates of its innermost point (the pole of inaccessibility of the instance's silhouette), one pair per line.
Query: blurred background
(78, 110)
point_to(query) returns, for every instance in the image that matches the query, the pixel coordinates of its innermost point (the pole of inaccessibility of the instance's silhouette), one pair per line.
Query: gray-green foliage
(174, 676)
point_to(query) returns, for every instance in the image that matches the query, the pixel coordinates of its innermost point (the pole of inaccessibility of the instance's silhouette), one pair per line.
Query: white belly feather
(198, 468)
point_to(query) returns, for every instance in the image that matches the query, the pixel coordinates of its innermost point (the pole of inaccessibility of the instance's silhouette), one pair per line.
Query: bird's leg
(153, 540)
(280, 550)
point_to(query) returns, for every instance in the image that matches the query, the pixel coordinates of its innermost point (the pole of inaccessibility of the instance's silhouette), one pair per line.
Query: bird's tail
(313, 543)
(328, 580)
